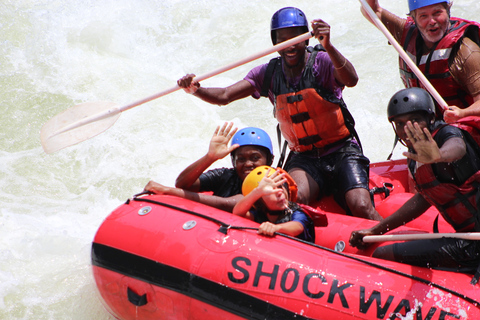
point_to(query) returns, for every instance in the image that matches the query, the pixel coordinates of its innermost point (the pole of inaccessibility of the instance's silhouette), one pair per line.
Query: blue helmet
(286, 18)
(252, 136)
(415, 4)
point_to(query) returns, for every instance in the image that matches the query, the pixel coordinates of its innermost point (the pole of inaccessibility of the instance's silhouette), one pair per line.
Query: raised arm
(243, 206)
(375, 7)
(427, 150)
(392, 22)
(344, 71)
(189, 178)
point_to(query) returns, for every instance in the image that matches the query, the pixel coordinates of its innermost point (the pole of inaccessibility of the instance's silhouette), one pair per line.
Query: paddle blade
(56, 135)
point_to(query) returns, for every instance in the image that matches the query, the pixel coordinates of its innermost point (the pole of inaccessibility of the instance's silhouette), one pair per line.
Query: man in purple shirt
(305, 86)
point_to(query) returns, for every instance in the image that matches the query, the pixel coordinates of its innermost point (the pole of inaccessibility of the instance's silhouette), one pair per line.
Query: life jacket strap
(300, 117)
(309, 140)
(283, 153)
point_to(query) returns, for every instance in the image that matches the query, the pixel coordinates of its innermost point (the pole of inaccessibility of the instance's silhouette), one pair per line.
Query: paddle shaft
(421, 236)
(116, 110)
(404, 56)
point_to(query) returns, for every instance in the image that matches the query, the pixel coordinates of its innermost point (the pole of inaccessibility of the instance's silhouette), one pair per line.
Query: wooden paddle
(87, 120)
(404, 56)
(421, 236)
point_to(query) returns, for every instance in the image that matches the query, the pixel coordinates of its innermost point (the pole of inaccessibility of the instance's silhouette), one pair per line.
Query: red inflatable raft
(162, 257)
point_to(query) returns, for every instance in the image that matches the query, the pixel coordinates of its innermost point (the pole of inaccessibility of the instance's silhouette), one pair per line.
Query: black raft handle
(136, 299)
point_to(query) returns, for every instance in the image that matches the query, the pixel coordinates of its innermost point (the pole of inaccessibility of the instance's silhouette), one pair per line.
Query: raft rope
(224, 227)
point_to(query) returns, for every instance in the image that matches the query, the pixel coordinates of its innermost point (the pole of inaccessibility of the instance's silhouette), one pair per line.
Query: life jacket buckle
(295, 98)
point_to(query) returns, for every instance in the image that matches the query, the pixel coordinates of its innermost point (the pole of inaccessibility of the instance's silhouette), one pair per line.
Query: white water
(56, 54)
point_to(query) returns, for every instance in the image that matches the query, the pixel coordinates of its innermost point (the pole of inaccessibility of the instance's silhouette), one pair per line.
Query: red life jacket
(309, 116)
(435, 65)
(457, 204)
(318, 217)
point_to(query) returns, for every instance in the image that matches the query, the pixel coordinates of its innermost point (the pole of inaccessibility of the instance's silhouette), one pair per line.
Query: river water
(56, 54)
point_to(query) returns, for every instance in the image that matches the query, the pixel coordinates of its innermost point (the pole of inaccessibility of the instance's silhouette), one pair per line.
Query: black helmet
(410, 100)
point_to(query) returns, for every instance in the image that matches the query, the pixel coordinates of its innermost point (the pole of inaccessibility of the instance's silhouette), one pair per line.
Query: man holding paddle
(445, 49)
(305, 86)
(444, 161)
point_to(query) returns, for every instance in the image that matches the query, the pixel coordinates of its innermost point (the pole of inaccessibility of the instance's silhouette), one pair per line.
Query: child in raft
(269, 197)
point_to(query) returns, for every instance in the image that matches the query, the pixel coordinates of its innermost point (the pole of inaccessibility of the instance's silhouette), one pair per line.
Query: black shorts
(335, 173)
(445, 254)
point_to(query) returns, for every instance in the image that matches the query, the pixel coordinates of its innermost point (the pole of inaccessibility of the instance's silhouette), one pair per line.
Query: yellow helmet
(253, 179)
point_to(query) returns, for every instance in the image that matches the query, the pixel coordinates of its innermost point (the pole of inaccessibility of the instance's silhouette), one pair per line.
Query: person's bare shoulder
(465, 67)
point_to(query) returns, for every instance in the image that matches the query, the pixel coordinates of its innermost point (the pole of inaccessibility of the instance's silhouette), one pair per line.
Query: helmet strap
(394, 144)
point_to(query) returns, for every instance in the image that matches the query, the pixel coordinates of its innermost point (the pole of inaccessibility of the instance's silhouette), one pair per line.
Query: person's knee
(307, 187)
(358, 202)
(360, 205)
(303, 198)
(365, 209)
(307, 194)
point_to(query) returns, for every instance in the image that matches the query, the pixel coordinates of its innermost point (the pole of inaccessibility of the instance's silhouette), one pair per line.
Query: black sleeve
(460, 170)
(210, 180)
(447, 132)
(223, 182)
